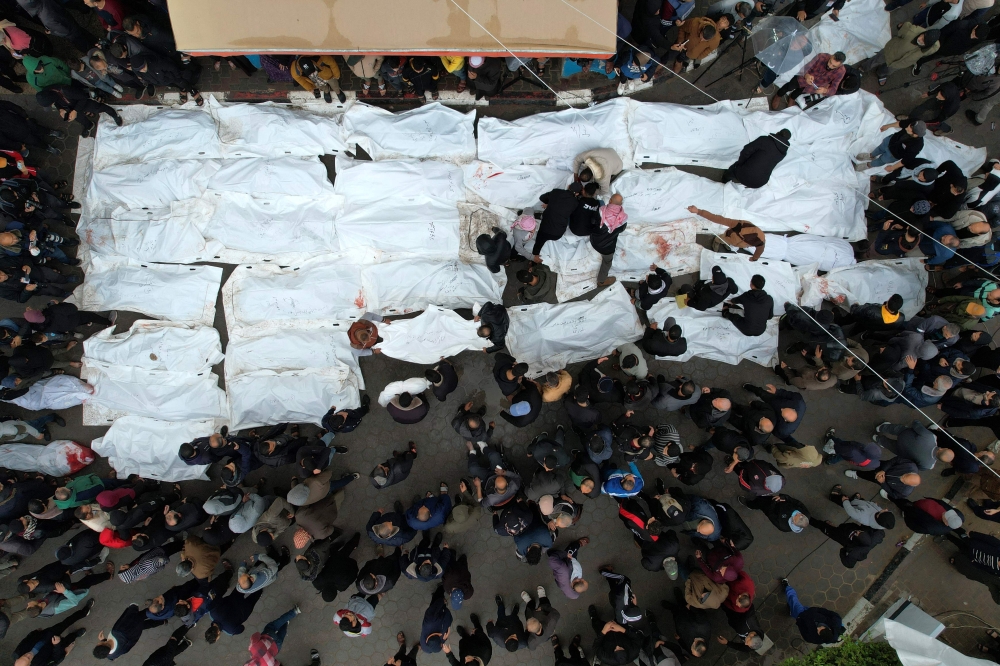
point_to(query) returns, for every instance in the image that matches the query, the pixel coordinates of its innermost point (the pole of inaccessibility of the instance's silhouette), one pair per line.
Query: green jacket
(55, 72)
(77, 486)
(981, 294)
(900, 51)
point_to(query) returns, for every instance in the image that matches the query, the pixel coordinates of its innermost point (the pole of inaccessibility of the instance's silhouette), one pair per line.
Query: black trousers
(83, 107)
(165, 655)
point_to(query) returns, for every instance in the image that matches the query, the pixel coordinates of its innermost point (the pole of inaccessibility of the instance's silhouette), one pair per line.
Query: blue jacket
(613, 482)
(700, 509)
(914, 393)
(937, 253)
(537, 532)
(405, 534)
(437, 620)
(440, 507)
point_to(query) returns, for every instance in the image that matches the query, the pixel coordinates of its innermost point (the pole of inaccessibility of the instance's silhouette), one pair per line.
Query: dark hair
(654, 527)
(181, 608)
(22, 587)
(886, 519)
(187, 451)
(264, 538)
(590, 189)
(784, 134)
(524, 276)
(405, 399)
(728, 17)
(708, 32)
(512, 644)
(426, 570)
(645, 442)
(432, 375)
(345, 625)
(632, 387)
(839, 56)
(757, 282)
(140, 541)
(519, 369)
(586, 175)
(596, 443)
(417, 63)
(129, 22)
(894, 303)
(581, 394)
(823, 374)
(101, 651)
(117, 517)
(534, 554)
(36, 506)
(687, 389)
(212, 633)
(930, 173)
(674, 332)
(550, 462)
(630, 361)
(654, 282)
(484, 331)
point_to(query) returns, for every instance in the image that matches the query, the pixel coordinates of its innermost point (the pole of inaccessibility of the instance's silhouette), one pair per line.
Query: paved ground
(808, 559)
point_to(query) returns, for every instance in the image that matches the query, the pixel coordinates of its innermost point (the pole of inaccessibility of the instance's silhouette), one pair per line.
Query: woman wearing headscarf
(605, 240)
(523, 233)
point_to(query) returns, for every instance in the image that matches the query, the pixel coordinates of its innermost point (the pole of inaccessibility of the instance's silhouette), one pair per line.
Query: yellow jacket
(326, 67)
(452, 63)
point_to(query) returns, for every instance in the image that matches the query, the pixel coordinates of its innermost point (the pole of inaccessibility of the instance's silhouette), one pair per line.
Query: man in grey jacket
(914, 442)
(862, 511)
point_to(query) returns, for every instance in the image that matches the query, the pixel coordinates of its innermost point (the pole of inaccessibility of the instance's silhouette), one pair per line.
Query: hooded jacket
(757, 160)
(902, 51)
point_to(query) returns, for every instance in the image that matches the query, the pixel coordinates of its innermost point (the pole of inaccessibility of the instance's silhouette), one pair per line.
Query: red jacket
(112, 539)
(742, 584)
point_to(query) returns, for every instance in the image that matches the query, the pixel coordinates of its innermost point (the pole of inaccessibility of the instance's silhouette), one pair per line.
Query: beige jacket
(203, 557)
(698, 584)
(807, 456)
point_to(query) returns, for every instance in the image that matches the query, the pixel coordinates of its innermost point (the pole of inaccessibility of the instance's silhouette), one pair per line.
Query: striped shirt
(665, 434)
(144, 566)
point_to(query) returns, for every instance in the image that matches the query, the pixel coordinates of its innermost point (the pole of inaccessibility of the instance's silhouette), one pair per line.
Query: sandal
(365, 89)
(462, 85)
(199, 100)
(435, 95)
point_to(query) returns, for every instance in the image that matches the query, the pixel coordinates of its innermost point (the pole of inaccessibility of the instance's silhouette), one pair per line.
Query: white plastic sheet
(861, 32)
(164, 394)
(413, 386)
(870, 282)
(558, 136)
(271, 130)
(58, 458)
(513, 186)
(278, 227)
(148, 447)
(576, 262)
(148, 184)
(169, 134)
(418, 225)
(427, 337)
(710, 135)
(710, 336)
(295, 396)
(805, 249)
(400, 287)
(780, 281)
(361, 182)
(325, 288)
(672, 246)
(177, 293)
(917, 649)
(663, 195)
(549, 337)
(157, 345)
(290, 348)
(430, 131)
(295, 176)
(171, 234)
(54, 393)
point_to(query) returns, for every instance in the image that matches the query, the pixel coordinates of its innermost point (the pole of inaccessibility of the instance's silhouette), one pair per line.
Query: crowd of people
(941, 360)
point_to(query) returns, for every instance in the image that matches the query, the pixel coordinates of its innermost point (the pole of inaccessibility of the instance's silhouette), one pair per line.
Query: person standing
(507, 631)
(613, 222)
(436, 624)
(125, 633)
(265, 645)
(817, 625)
(474, 648)
(540, 618)
(558, 205)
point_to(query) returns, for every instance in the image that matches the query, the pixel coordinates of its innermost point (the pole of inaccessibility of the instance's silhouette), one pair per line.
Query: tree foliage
(850, 653)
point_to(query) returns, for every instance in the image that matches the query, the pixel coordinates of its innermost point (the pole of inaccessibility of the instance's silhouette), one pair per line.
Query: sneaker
(916, 69)
(58, 134)
(340, 449)
(150, 90)
(742, 500)
(850, 474)
(525, 597)
(298, 611)
(327, 97)
(748, 387)
(670, 566)
(829, 448)
(784, 584)
(89, 606)
(884, 494)
(342, 98)
(317, 94)
(971, 115)
(53, 150)
(864, 157)
(540, 591)
(621, 89)
(879, 427)
(833, 459)
(314, 657)
(592, 611)
(58, 420)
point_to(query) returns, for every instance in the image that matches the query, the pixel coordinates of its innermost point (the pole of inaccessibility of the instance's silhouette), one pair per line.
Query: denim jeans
(881, 155)
(795, 606)
(277, 629)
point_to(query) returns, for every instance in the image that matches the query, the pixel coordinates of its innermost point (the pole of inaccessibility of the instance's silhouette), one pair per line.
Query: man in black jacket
(898, 150)
(758, 159)
(930, 516)
(692, 626)
(50, 651)
(653, 287)
(897, 476)
(735, 532)
(586, 217)
(508, 631)
(443, 379)
(667, 342)
(558, 205)
(473, 648)
(789, 410)
(525, 405)
(707, 294)
(957, 37)
(615, 644)
(712, 409)
(784, 511)
(856, 540)
(817, 625)
(493, 324)
(395, 469)
(758, 308)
